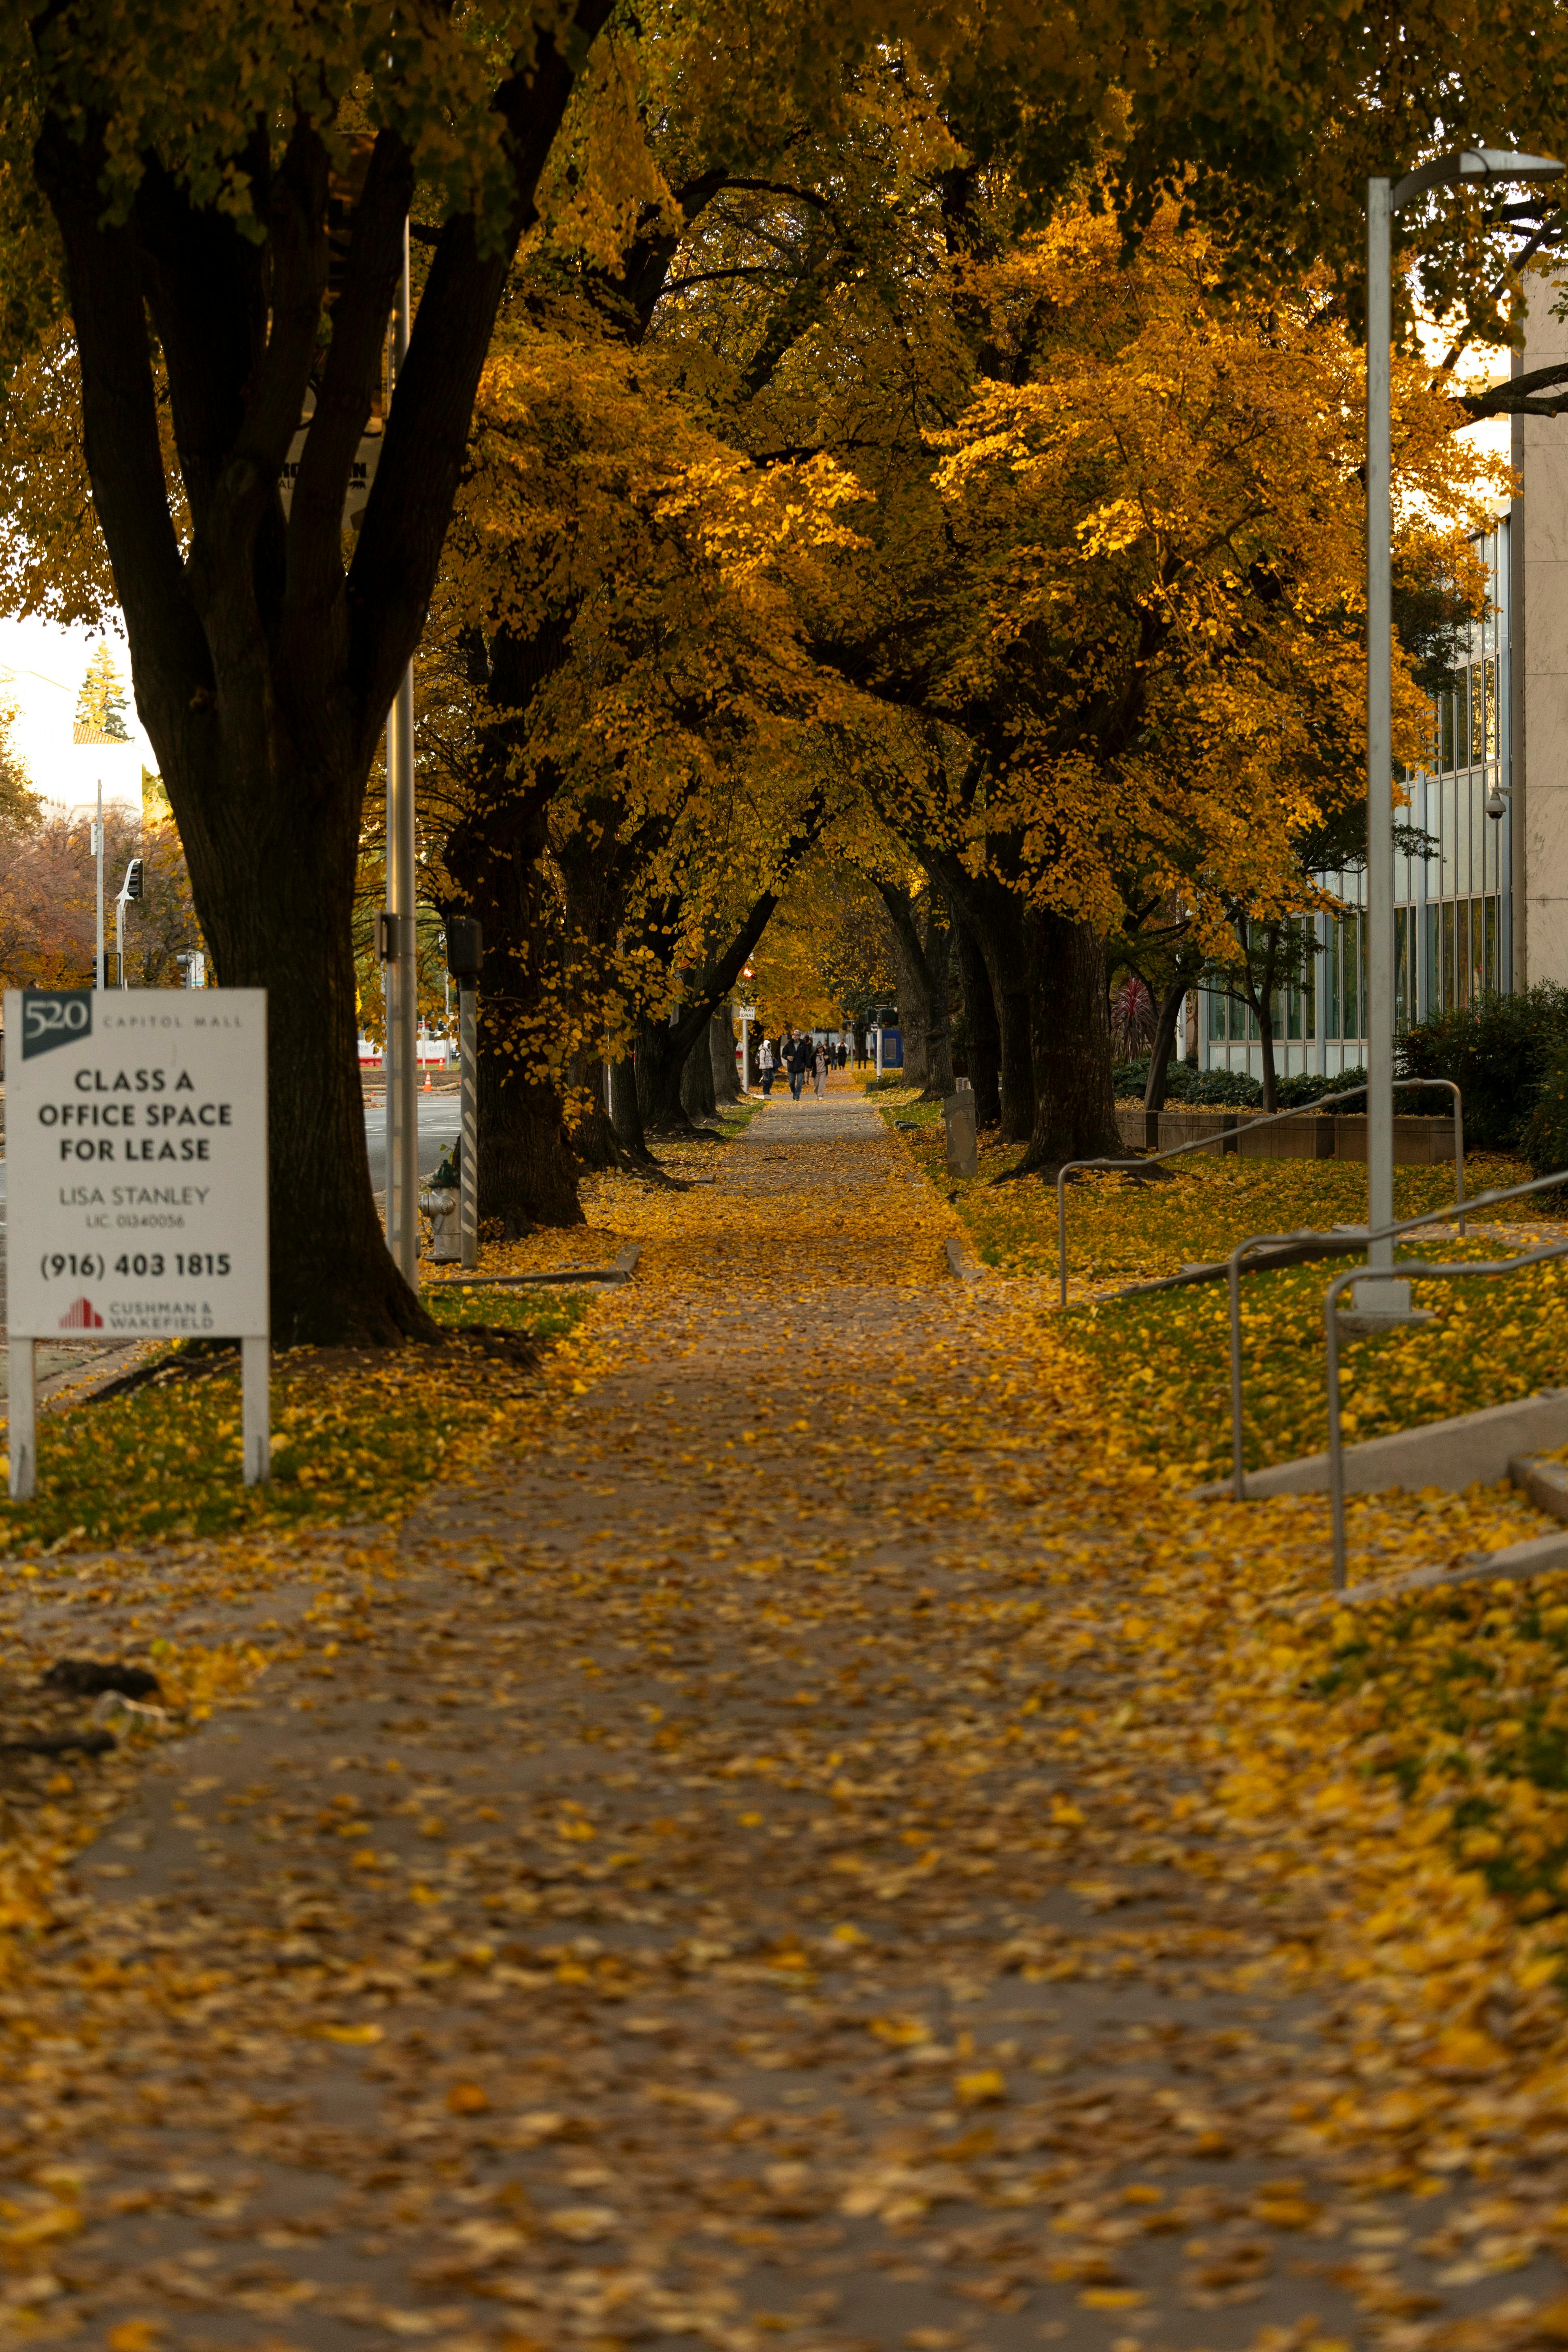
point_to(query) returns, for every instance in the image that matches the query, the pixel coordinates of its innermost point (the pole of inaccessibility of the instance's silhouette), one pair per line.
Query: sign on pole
(136, 1184)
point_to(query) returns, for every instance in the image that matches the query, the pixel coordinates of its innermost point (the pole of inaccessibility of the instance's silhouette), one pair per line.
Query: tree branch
(1517, 397)
(410, 502)
(124, 457)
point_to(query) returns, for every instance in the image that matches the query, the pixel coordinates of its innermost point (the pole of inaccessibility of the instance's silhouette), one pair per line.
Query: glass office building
(1453, 923)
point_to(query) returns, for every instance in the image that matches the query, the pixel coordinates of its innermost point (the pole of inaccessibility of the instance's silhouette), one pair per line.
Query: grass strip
(357, 1434)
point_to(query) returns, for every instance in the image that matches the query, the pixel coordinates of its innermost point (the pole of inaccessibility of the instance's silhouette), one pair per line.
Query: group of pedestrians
(799, 1057)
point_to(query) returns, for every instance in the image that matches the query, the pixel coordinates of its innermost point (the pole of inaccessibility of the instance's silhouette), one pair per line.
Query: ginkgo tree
(1134, 595)
(201, 239)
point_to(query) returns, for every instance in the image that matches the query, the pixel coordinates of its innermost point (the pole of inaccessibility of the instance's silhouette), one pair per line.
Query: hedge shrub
(1501, 1051)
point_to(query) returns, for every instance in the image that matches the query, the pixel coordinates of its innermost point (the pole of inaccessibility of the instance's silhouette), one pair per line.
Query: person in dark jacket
(800, 1053)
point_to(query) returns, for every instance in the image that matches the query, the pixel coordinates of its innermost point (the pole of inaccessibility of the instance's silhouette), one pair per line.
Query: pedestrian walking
(799, 1062)
(819, 1067)
(843, 1053)
(765, 1067)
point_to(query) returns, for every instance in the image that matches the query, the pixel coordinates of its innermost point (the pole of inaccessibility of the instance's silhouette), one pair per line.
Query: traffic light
(133, 879)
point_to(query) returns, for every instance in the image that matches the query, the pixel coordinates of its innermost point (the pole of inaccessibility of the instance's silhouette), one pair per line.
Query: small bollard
(962, 1143)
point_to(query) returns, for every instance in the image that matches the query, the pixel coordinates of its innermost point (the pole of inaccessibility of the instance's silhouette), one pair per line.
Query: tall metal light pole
(398, 936)
(100, 979)
(1379, 1298)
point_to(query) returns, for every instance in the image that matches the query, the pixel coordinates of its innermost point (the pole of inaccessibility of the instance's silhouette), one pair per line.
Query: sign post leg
(256, 1411)
(23, 1430)
(468, 1112)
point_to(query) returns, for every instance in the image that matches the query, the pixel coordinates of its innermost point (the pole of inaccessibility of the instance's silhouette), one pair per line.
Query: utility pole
(398, 941)
(1381, 1298)
(465, 958)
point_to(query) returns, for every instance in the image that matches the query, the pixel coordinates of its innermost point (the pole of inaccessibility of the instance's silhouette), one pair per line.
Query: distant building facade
(1455, 932)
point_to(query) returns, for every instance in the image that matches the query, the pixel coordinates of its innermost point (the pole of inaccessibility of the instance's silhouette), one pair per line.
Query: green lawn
(356, 1437)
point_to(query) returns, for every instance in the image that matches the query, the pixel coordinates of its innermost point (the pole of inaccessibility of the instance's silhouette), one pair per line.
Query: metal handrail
(1249, 1126)
(1424, 1272)
(1389, 1233)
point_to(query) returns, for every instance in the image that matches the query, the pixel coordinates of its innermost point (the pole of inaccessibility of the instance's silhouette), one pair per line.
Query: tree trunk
(527, 1170)
(1002, 945)
(1074, 1113)
(995, 916)
(1163, 1048)
(665, 1048)
(1266, 1031)
(658, 1075)
(332, 1277)
(263, 672)
(593, 1137)
(696, 1079)
(921, 964)
(497, 858)
(939, 1033)
(626, 1111)
(912, 1015)
(984, 1035)
(721, 1053)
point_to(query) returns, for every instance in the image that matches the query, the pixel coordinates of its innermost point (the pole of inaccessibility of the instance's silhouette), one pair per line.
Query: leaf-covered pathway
(743, 1876)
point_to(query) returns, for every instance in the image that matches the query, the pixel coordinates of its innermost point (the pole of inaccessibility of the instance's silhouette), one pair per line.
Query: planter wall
(1313, 1135)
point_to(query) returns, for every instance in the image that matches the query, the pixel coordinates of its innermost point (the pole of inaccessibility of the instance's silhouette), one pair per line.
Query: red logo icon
(82, 1315)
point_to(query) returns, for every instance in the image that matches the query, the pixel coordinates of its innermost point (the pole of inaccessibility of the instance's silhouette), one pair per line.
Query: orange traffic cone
(428, 1088)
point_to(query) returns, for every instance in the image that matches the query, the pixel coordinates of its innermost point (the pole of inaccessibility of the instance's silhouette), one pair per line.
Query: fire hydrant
(440, 1203)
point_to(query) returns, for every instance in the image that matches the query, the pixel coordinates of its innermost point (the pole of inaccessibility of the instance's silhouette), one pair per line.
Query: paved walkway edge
(1470, 1449)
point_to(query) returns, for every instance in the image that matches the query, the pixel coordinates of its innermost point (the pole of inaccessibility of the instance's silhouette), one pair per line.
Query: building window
(1404, 995)
(1345, 978)
(1465, 937)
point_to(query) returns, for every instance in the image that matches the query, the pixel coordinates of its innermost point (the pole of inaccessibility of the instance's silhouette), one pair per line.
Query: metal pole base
(1381, 1304)
(256, 1408)
(23, 1422)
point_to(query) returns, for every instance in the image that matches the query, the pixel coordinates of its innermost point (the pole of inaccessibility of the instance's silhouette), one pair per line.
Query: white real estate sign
(136, 1179)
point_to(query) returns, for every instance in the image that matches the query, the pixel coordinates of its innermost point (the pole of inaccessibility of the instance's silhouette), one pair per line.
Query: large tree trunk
(913, 1019)
(326, 1238)
(721, 1055)
(591, 1135)
(921, 964)
(983, 1036)
(939, 1032)
(495, 858)
(696, 1079)
(626, 1111)
(1003, 946)
(995, 916)
(527, 1170)
(1074, 1106)
(660, 1070)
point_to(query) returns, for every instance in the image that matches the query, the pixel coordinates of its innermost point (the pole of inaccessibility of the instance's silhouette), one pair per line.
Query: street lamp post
(400, 942)
(1379, 1298)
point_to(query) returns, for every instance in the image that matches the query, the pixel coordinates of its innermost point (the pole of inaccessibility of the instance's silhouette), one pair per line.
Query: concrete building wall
(1540, 667)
